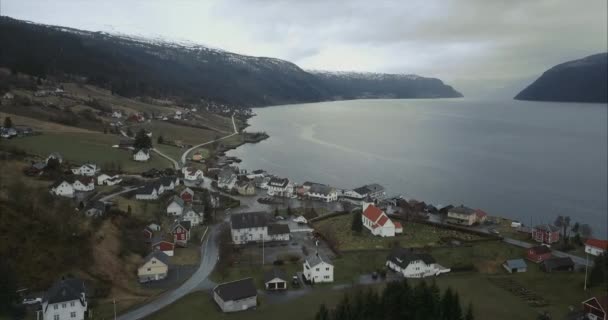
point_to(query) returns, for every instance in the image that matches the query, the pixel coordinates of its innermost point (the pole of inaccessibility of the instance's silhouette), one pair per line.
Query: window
(55, 306)
(73, 314)
(317, 269)
(72, 304)
(327, 269)
(149, 269)
(326, 277)
(56, 317)
(63, 305)
(153, 261)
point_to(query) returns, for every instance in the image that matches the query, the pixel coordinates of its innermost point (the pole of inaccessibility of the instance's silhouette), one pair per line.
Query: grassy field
(80, 147)
(414, 235)
(186, 256)
(171, 151)
(172, 132)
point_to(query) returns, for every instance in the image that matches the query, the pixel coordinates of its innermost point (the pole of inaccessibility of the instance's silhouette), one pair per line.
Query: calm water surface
(525, 160)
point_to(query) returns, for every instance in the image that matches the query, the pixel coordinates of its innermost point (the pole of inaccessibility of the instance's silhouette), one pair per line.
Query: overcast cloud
(479, 46)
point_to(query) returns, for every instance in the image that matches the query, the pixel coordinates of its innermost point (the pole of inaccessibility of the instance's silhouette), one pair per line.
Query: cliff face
(583, 80)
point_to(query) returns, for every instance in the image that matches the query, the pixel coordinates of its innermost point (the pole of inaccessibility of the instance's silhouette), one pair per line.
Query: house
(176, 206)
(373, 191)
(117, 114)
(596, 247)
(376, 221)
(318, 269)
(193, 214)
(141, 155)
(226, 179)
(413, 265)
(155, 267)
(275, 279)
(596, 308)
(108, 179)
(278, 186)
(256, 174)
(557, 264)
(160, 189)
(36, 169)
(148, 192)
(431, 209)
(538, 254)
(56, 156)
(462, 215)
(62, 188)
(8, 96)
(197, 156)
(234, 296)
(245, 188)
(321, 192)
(545, 233)
(480, 216)
(255, 227)
(148, 234)
(84, 184)
(187, 195)
(178, 115)
(87, 169)
(192, 174)
(169, 183)
(66, 299)
(441, 209)
(95, 209)
(300, 220)
(181, 232)
(515, 265)
(164, 244)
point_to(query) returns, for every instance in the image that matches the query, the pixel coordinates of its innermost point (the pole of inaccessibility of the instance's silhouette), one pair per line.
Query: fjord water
(525, 160)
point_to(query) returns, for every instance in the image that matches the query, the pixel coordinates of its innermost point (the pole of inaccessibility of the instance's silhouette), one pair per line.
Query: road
(198, 281)
(185, 154)
(110, 196)
(578, 260)
(175, 163)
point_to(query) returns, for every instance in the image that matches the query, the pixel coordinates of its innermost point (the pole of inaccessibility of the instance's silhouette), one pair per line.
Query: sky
(481, 47)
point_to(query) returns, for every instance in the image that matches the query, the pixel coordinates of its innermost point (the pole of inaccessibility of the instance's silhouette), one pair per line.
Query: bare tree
(586, 230)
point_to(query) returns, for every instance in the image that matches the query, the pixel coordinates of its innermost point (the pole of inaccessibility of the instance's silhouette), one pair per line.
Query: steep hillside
(583, 80)
(140, 67)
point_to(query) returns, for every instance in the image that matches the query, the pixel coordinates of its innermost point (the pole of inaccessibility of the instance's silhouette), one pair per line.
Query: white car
(32, 300)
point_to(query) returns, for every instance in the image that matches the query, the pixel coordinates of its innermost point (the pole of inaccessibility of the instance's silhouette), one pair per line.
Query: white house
(317, 191)
(255, 227)
(149, 192)
(372, 191)
(176, 206)
(141, 155)
(376, 221)
(108, 180)
(192, 174)
(300, 219)
(84, 184)
(413, 265)
(178, 115)
(193, 214)
(117, 114)
(317, 269)
(87, 169)
(278, 187)
(236, 296)
(62, 188)
(226, 179)
(596, 247)
(66, 299)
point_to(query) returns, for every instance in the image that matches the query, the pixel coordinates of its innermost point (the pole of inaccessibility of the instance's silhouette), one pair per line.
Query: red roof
(602, 244)
(398, 225)
(601, 302)
(480, 213)
(383, 220)
(372, 213)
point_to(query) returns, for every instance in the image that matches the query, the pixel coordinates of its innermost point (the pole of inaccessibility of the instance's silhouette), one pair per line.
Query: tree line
(399, 301)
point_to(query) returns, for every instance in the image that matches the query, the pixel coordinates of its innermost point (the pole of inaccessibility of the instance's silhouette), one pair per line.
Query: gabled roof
(403, 257)
(382, 221)
(166, 181)
(597, 243)
(144, 151)
(547, 228)
(158, 255)
(516, 264)
(372, 213)
(362, 190)
(540, 250)
(316, 259)
(600, 303)
(321, 189)
(277, 228)
(187, 190)
(558, 263)
(59, 182)
(279, 182)
(86, 180)
(462, 210)
(161, 238)
(147, 189)
(65, 290)
(397, 225)
(236, 290)
(178, 200)
(274, 274)
(183, 223)
(249, 220)
(480, 213)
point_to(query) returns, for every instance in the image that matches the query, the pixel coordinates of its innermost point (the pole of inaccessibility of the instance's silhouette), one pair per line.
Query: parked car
(32, 300)
(494, 231)
(295, 281)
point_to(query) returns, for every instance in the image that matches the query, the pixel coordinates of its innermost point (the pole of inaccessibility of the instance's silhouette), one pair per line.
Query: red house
(187, 195)
(163, 244)
(148, 234)
(545, 233)
(538, 254)
(596, 308)
(181, 233)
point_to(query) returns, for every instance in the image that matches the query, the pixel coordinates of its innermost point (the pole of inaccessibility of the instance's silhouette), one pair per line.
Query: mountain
(358, 85)
(583, 80)
(133, 67)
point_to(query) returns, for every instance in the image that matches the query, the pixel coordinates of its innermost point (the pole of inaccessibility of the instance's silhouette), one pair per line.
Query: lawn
(172, 132)
(256, 272)
(186, 256)
(172, 151)
(80, 147)
(414, 235)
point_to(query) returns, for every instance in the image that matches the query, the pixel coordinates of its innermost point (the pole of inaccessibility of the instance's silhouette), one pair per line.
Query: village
(249, 238)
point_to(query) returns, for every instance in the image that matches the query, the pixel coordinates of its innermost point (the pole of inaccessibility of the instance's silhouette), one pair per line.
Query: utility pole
(114, 301)
(586, 267)
(262, 249)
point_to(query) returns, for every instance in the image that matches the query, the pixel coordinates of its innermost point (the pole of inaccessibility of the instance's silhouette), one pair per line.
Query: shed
(275, 279)
(515, 265)
(557, 264)
(236, 296)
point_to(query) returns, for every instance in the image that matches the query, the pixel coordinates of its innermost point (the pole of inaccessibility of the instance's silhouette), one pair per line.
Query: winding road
(185, 154)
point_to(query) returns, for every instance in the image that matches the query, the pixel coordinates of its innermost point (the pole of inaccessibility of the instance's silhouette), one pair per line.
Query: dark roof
(279, 182)
(541, 249)
(236, 290)
(516, 264)
(403, 257)
(275, 273)
(321, 189)
(555, 263)
(147, 189)
(276, 228)
(166, 181)
(249, 220)
(547, 227)
(362, 190)
(161, 237)
(314, 260)
(177, 199)
(65, 290)
(184, 223)
(462, 210)
(158, 255)
(374, 187)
